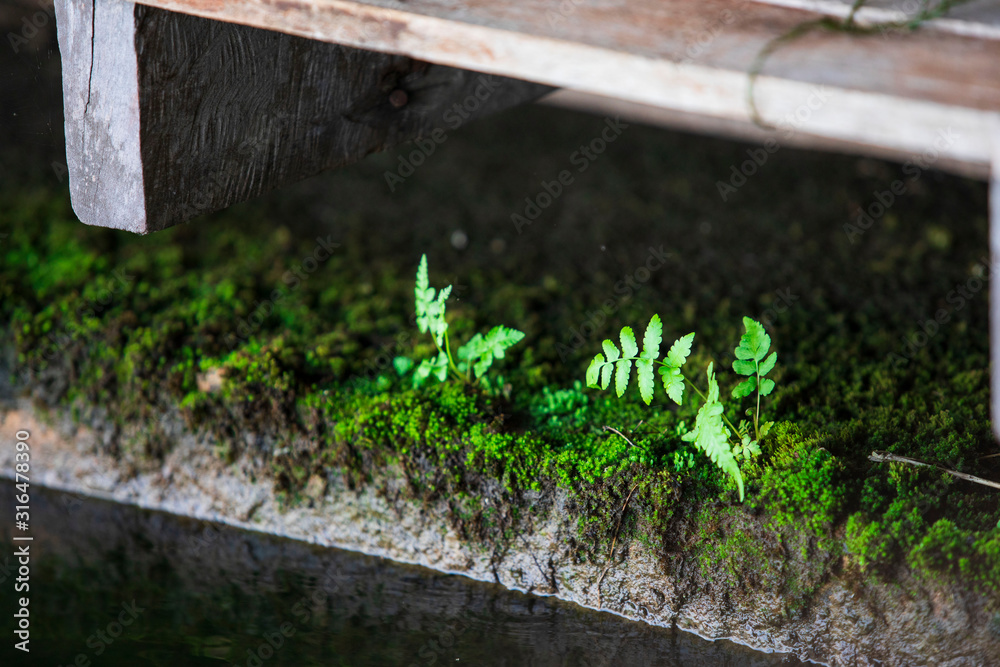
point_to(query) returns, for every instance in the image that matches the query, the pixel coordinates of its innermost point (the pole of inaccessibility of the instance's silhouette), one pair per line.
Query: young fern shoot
(713, 433)
(474, 358)
(751, 361)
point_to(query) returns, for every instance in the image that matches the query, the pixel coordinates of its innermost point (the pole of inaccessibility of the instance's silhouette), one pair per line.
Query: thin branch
(614, 430)
(614, 539)
(883, 457)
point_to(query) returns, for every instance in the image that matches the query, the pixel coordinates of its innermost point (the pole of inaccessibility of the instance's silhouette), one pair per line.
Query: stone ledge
(839, 627)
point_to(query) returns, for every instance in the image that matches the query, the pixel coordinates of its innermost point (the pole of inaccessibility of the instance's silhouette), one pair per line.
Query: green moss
(948, 552)
(804, 485)
(134, 324)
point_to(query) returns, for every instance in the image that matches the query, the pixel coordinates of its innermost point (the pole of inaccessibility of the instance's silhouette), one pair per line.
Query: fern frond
(480, 351)
(750, 360)
(746, 387)
(652, 338)
(477, 355)
(430, 308)
(620, 362)
(711, 436)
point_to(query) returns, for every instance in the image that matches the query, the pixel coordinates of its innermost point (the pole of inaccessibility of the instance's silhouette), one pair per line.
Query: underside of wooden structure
(169, 116)
(179, 107)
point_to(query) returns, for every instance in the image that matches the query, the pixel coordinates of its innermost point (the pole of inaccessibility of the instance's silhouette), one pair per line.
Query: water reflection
(115, 585)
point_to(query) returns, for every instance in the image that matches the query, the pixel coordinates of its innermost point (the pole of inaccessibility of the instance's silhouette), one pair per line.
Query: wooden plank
(169, 116)
(693, 56)
(976, 18)
(744, 130)
(994, 280)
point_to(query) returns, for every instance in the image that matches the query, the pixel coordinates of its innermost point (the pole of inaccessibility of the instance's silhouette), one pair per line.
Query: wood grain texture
(898, 91)
(975, 18)
(169, 116)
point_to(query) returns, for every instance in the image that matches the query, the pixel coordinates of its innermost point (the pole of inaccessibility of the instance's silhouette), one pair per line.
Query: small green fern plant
(713, 433)
(472, 360)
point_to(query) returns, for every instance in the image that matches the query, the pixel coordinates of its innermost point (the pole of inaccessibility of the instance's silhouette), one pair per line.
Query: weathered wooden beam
(691, 56)
(169, 116)
(994, 278)
(746, 130)
(974, 18)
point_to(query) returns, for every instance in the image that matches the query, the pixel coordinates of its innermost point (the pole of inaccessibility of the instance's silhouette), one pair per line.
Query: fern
(480, 352)
(600, 369)
(713, 433)
(711, 436)
(752, 360)
(430, 309)
(474, 358)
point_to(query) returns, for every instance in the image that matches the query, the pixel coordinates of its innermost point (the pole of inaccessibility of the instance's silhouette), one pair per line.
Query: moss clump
(804, 485)
(948, 552)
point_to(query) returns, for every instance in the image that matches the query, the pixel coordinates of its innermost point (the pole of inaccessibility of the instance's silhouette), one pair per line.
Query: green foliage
(750, 360)
(480, 351)
(430, 307)
(710, 434)
(713, 433)
(474, 358)
(437, 367)
(600, 369)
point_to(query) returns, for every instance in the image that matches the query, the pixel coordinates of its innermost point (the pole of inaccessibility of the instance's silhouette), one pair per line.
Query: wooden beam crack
(93, 39)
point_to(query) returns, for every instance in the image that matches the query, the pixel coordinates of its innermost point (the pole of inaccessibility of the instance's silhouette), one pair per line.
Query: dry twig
(883, 457)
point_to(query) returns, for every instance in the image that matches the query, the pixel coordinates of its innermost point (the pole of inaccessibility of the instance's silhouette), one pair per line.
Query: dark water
(115, 585)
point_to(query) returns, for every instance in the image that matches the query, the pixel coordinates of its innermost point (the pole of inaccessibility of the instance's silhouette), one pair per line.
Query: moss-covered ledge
(237, 329)
(720, 571)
